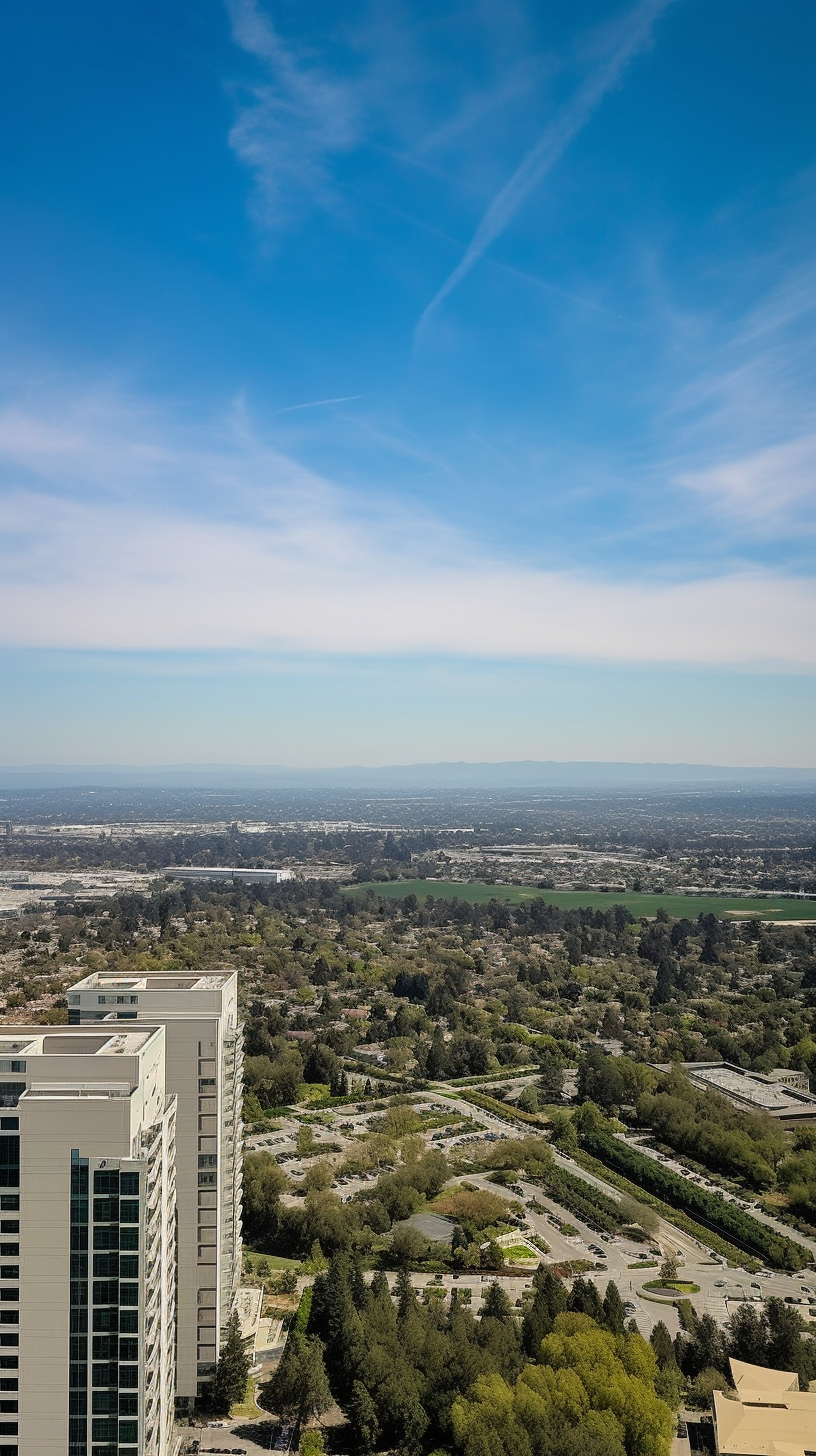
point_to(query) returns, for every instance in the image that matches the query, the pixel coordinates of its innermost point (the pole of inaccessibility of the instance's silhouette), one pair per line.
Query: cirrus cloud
(120, 532)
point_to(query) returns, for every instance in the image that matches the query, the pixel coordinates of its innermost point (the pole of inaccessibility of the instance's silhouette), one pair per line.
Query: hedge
(709, 1209)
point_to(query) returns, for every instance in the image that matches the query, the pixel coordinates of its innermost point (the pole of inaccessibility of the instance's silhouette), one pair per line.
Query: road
(742, 1200)
(721, 1289)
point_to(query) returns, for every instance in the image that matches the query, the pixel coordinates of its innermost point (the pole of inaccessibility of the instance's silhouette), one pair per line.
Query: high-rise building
(205, 1071)
(87, 1223)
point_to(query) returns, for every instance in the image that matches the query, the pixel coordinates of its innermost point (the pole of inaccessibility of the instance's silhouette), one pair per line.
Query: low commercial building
(770, 1416)
(226, 872)
(782, 1094)
(87, 1221)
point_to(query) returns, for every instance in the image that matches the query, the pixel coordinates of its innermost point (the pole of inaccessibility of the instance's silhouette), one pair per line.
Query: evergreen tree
(362, 1414)
(379, 1285)
(406, 1294)
(661, 1342)
(585, 1299)
(613, 1313)
(784, 1325)
(232, 1371)
(299, 1387)
(747, 1335)
(359, 1289)
(496, 1304)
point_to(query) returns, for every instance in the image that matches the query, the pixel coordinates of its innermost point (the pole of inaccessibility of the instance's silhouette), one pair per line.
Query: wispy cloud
(287, 409)
(771, 488)
(296, 117)
(629, 37)
(119, 533)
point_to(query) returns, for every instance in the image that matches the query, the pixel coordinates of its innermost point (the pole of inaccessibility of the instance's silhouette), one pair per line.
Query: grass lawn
(520, 1252)
(273, 1261)
(247, 1410)
(679, 1285)
(775, 907)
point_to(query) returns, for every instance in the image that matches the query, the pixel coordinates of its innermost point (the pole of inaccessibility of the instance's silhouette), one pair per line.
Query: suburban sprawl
(529, 1143)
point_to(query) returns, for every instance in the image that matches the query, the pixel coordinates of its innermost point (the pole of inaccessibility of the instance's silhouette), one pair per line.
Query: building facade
(205, 1072)
(87, 1223)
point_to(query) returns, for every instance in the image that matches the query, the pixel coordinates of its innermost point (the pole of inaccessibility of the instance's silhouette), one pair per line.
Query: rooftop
(752, 1091)
(154, 981)
(771, 1416)
(79, 1043)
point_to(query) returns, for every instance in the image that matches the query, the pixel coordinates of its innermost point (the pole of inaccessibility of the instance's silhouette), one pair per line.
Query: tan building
(205, 1071)
(87, 1221)
(770, 1416)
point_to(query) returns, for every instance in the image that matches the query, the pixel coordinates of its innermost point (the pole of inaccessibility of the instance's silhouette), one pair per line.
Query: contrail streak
(567, 123)
(313, 403)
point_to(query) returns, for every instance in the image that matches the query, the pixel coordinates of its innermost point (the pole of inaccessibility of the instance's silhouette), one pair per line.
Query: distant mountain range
(524, 774)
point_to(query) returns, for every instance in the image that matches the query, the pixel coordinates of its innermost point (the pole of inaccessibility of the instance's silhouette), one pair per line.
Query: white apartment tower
(87, 1222)
(205, 1071)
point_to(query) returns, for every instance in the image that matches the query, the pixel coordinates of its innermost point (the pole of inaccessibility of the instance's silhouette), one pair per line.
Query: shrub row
(596, 1208)
(710, 1209)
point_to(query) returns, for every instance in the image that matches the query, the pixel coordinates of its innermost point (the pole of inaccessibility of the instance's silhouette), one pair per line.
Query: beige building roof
(758, 1377)
(771, 1416)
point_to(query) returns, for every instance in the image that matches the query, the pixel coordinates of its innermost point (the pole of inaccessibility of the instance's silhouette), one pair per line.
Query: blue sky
(388, 382)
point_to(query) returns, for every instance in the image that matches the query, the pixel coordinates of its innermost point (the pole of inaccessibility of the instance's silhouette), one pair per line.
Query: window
(129, 1185)
(105, 1374)
(128, 1349)
(208, 1160)
(205, 1179)
(105, 1266)
(104, 1430)
(106, 1181)
(128, 1405)
(105, 1402)
(105, 1347)
(106, 1292)
(9, 1161)
(129, 1267)
(206, 1083)
(128, 1430)
(128, 1377)
(15, 1066)
(129, 1321)
(129, 1238)
(129, 1211)
(128, 1294)
(106, 1238)
(9, 1202)
(106, 1210)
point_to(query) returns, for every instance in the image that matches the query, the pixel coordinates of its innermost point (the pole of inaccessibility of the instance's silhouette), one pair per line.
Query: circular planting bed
(672, 1289)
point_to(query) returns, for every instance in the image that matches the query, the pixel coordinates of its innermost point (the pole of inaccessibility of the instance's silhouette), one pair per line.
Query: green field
(775, 907)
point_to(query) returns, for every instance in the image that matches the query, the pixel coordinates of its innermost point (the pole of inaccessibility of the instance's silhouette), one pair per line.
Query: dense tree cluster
(565, 1379)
